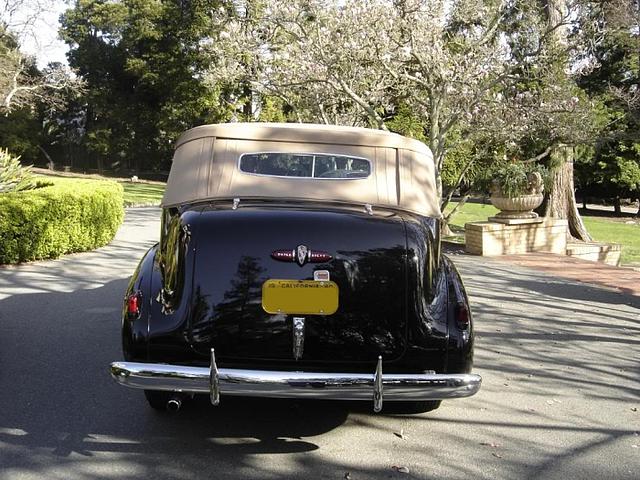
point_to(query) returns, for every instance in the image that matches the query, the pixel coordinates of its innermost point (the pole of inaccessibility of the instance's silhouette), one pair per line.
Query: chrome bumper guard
(330, 386)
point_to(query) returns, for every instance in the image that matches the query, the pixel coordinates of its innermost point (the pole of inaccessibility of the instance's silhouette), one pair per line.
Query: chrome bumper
(261, 383)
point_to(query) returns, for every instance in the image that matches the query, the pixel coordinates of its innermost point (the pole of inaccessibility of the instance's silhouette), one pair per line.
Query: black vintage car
(298, 261)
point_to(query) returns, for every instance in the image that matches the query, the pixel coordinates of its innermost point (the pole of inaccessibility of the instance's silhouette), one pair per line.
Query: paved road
(560, 362)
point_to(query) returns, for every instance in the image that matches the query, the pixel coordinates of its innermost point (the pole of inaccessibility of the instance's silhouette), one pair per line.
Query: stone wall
(608, 253)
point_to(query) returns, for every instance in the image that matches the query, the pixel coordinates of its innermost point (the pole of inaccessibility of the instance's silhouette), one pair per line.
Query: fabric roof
(206, 166)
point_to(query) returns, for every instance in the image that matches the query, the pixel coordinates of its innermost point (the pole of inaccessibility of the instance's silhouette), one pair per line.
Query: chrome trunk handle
(377, 387)
(298, 337)
(214, 381)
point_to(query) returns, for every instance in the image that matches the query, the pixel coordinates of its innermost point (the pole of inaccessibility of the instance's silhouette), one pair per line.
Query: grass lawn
(470, 212)
(615, 230)
(602, 226)
(137, 194)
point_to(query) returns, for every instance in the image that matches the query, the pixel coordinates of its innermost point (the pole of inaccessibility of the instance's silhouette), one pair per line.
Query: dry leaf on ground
(400, 469)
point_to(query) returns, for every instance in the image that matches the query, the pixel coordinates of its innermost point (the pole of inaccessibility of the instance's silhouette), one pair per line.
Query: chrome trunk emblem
(298, 337)
(301, 254)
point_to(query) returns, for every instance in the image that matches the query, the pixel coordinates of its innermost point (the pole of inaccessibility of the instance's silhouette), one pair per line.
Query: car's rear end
(278, 293)
(320, 296)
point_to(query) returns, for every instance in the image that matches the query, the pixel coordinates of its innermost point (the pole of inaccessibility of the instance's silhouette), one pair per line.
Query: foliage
(20, 133)
(407, 122)
(614, 170)
(26, 91)
(467, 159)
(13, 176)
(512, 179)
(611, 169)
(272, 110)
(58, 219)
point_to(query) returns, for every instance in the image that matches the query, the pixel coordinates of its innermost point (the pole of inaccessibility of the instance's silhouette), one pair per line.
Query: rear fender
(461, 335)
(171, 288)
(135, 330)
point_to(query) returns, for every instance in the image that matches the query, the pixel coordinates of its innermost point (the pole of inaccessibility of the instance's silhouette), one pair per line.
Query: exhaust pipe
(174, 403)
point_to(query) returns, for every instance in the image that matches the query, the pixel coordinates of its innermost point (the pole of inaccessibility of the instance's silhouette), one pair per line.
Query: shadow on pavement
(58, 399)
(559, 362)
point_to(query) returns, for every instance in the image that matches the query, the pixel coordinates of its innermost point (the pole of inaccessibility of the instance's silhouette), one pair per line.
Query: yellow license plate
(302, 297)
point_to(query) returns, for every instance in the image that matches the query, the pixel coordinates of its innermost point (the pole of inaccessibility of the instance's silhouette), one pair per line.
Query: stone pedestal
(541, 235)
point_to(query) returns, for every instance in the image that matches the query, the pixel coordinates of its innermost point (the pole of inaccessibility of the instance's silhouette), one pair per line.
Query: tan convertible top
(206, 166)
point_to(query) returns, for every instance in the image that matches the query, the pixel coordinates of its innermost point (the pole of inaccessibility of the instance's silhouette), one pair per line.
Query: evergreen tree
(612, 169)
(143, 62)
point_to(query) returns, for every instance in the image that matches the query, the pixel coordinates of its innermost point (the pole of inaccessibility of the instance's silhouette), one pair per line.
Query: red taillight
(462, 316)
(133, 305)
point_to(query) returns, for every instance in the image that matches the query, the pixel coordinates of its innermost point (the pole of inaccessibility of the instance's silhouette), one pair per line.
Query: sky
(40, 36)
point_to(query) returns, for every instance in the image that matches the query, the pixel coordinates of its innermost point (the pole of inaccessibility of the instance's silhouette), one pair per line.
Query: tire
(157, 400)
(411, 407)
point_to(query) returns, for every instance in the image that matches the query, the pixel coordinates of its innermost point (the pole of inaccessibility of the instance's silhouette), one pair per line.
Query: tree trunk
(561, 198)
(247, 107)
(617, 209)
(50, 163)
(560, 201)
(445, 229)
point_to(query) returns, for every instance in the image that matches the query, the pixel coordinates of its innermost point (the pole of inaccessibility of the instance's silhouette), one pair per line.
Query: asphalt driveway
(560, 397)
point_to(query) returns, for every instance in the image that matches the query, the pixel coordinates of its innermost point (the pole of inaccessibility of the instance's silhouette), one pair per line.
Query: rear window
(305, 165)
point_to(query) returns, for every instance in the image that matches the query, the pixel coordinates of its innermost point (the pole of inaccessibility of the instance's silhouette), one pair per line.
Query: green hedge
(70, 216)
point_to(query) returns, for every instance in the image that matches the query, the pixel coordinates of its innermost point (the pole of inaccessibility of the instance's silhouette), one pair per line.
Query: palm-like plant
(13, 176)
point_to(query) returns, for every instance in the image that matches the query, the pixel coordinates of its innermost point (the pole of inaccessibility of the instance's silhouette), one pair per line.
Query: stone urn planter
(521, 205)
(517, 207)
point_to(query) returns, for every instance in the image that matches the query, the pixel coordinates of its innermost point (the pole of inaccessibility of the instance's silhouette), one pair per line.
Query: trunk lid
(234, 258)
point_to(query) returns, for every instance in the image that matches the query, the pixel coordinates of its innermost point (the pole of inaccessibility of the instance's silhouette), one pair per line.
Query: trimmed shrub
(70, 216)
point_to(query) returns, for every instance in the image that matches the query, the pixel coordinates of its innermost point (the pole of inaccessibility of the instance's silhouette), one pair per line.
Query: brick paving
(624, 280)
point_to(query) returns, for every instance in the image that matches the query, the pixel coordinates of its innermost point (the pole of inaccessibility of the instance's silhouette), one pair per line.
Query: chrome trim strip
(264, 383)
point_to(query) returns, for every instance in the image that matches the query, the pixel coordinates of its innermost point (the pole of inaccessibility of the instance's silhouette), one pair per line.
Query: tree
(307, 54)
(560, 197)
(613, 168)
(27, 92)
(143, 64)
(22, 84)
(478, 71)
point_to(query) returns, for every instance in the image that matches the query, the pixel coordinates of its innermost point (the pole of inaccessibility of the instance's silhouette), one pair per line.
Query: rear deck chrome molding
(276, 384)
